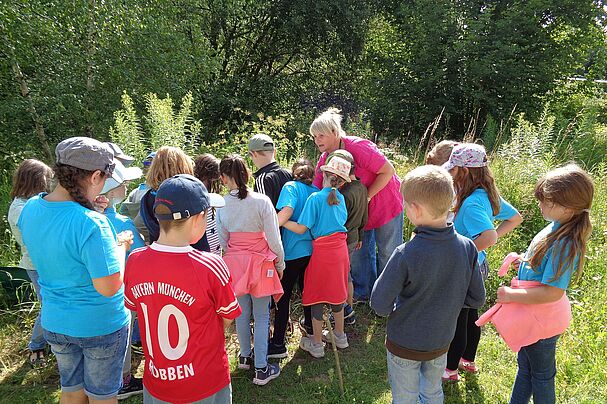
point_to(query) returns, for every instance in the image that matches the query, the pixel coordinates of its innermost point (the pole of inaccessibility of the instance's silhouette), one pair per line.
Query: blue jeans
(37, 340)
(90, 363)
(223, 396)
(536, 372)
(260, 308)
(366, 265)
(413, 380)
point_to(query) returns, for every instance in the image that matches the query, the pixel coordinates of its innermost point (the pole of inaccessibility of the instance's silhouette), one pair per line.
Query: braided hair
(70, 178)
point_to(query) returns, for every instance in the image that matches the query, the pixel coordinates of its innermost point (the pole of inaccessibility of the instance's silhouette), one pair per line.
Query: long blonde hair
(169, 161)
(467, 179)
(572, 188)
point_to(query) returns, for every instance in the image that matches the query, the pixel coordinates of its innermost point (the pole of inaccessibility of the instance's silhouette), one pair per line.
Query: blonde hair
(430, 186)
(169, 161)
(468, 179)
(328, 122)
(572, 188)
(440, 153)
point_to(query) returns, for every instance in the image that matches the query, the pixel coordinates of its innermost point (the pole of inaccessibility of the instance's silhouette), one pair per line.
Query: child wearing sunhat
(184, 299)
(326, 277)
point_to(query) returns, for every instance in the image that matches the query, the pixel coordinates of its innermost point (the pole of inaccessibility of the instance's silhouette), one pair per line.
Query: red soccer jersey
(181, 295)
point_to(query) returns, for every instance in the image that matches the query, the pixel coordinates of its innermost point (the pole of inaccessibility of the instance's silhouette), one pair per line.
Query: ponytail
(303, 171)
(235, 167)
(70, 178)
(335, 182)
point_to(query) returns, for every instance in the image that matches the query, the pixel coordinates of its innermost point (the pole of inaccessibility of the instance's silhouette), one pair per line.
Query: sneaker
(305, 330)
(133, 387)
(349, 315)
(244, 362)
(467, 366)
(450, 376)
(276, 351)
(263, 376)
(341, 341)
(307, 344)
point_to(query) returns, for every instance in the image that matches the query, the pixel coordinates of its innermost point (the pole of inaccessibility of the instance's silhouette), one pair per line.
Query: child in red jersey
(184, 299)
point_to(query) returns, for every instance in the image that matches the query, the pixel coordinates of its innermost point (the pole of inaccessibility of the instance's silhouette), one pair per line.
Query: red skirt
(326, 277)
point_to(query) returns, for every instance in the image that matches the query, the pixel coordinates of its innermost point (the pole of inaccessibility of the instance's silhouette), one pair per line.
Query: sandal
(37, 358)
(467, 366)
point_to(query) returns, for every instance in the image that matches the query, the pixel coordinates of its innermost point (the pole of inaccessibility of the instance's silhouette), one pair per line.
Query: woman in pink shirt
(385, 224)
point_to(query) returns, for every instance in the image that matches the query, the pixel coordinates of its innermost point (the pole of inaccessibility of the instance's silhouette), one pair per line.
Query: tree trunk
(25, 92)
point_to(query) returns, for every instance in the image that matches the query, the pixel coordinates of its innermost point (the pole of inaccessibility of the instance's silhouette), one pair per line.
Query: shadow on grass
(467, 391)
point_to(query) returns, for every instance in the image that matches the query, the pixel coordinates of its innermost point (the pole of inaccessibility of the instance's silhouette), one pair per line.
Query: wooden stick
(337, 363)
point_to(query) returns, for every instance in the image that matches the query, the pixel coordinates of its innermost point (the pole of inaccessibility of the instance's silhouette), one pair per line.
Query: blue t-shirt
(294, 195)
(321, 218)
(545, 273)
(122, 223)
(70, 245)
(476, 216)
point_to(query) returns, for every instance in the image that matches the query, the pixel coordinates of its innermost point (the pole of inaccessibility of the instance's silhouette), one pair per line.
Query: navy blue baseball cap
(185, 196)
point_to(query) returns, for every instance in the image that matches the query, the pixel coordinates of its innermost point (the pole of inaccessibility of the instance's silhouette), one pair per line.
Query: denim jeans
(260, 308)
(223, 396)
(90, 363)
(413, 380)
(366, 265)
(536, 372)
(37, 340)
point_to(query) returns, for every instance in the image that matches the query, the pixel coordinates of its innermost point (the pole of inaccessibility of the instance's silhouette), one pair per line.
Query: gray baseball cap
(87, 154)
(119, 155)
(261, 142)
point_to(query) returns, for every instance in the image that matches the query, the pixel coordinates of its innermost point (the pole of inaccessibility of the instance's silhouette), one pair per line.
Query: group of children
(210, 260)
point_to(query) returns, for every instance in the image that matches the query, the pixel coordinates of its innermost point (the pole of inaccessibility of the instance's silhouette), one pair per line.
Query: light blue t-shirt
(294, 195)
(321, 218)
(476, 216)
(545, 273)
(122, 223)
(70, 245)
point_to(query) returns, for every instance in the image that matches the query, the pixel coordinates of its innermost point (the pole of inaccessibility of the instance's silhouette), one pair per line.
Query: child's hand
(359, 245)
(503, 294)
(125, 239)
(100, 203)
(516, 264)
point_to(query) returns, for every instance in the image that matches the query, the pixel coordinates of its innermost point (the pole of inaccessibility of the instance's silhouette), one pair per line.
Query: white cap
(121, 174)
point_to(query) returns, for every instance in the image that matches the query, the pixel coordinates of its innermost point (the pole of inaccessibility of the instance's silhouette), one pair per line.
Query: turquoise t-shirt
(545, 273)
(70, 245)
(476, 216)
(321, 218)
(122, 223)
(294, 195)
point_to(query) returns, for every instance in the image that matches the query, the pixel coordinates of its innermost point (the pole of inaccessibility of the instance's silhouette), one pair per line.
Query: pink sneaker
(467, 366)
(450, 376)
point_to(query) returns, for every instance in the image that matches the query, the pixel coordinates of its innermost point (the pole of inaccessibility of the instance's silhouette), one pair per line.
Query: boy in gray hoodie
(425, 284)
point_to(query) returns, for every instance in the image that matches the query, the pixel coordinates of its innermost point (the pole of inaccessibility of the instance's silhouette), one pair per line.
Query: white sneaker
(341, 341)
(307, 344)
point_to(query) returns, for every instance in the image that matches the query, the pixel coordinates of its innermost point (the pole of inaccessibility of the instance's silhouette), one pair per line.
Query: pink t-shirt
(368, 161)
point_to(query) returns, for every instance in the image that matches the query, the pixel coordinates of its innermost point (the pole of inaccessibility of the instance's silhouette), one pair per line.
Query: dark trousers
(466, 339)
(293, 274)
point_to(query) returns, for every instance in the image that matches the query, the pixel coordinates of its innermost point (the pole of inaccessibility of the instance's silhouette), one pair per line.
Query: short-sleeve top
(368, 160)
(321, 218)
(122, 223)
(14, 211)
(70, 246)
(476, 216)
(545, 273)
(294, 195)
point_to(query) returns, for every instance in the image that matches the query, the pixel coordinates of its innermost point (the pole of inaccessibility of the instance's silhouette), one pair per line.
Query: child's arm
(284, 215)
(507, 226)
(227, 322)
(295, 227)
(485, 240)
(272, 231)
(539, 295)
(390, 284)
